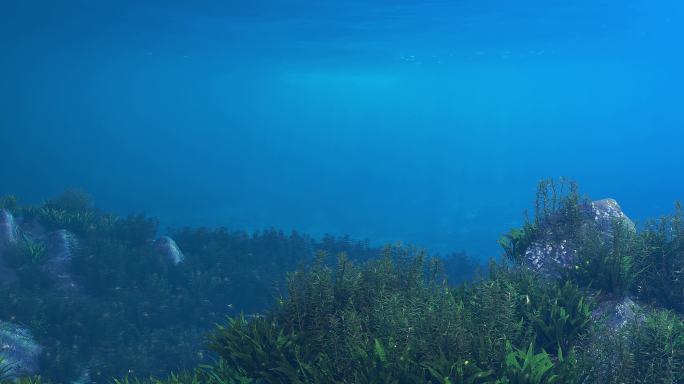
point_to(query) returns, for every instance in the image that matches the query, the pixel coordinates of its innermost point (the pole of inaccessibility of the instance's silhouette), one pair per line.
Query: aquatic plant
(27, 380)
(459, 267)
(512, 325)
(8, 376)
(9, 202)
(394, 320)
(25, 252)
(528, 367)
(134, 309)
(366, 315)
(558, 212)
(217, 373)
(72, 211)
(604, 256)
(264, 349)
(445, 371)
(5, 370)
(644, 350)
(659, 347)
(26, 257)
(77, 222)
(560, 315)
(71, 200)
(516, 242)
(607, 266)
(661, 264)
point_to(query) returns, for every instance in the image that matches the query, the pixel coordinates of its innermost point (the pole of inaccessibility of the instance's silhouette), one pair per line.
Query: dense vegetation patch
(646, 264)
(131, 311)
(393, 320)
(396, 320)
(395, 317)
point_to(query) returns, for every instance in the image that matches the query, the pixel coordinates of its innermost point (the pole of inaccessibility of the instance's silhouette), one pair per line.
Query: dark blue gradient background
(428, 122)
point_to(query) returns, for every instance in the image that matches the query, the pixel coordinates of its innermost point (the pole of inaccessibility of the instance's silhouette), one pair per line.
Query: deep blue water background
(428, 122)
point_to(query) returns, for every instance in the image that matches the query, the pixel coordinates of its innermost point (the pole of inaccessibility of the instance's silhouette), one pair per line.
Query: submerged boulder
(8, 236)
(168, 247)
(556, 246)
(8, 227)
(615, 314)
(605, 212)
(548, 256)
(18, 349)
(551, 251)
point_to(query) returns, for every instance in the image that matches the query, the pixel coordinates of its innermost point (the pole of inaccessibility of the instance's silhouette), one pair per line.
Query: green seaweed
(363, 316)
(527, 367)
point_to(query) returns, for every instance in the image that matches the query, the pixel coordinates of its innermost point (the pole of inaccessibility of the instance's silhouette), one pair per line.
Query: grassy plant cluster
(609, 265)
(134, 312)
(558, 211)
(396, 320)
(364, 316)
(647, 264)
(647, 351)
(5, 369)
(661, 264)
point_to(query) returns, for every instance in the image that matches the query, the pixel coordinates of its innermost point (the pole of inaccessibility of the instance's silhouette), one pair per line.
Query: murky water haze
(426, 122)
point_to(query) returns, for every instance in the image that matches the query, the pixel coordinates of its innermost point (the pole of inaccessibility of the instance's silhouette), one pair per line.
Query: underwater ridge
(582, 295)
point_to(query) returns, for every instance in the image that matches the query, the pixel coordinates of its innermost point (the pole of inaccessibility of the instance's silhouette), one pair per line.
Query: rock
(168, 247)
(19, 350)
(615, 314)
(59, 247)
(8, 235)
(552, 252)
(8, 227)
(548, 256)
(605, 211)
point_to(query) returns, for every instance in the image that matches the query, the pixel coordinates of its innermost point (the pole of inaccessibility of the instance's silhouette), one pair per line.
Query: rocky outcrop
(8, 236)
(19, 350)
(8, 227)
(548, 256)
(615, 314)
(605, 212)
(168, 247)
(551, 251)
(57, 253)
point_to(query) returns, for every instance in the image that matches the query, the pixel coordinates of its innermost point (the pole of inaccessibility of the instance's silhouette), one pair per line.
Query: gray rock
(605, 211)
(168, 247)
(549, 256)
(8, 235)
(8, 227)
(615, 314)
(19, 350)
(550, 253)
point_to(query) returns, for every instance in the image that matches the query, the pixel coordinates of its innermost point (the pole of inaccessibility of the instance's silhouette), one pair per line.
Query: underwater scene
(346, 192)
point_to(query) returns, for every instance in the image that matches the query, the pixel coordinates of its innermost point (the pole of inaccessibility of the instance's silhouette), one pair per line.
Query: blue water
(427, 122)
